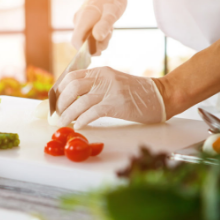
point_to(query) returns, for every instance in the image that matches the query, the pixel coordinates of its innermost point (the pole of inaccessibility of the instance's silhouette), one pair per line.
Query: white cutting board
(121, 138)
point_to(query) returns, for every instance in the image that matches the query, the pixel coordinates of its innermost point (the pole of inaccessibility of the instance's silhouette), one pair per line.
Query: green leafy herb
(157, 189)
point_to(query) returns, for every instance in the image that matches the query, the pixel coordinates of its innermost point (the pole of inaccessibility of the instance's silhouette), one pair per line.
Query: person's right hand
(99, 17)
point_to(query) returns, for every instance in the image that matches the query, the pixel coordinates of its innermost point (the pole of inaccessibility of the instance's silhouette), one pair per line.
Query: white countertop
(122, 139)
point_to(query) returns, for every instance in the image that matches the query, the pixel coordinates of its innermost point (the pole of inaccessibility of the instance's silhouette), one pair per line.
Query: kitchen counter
(38, 198)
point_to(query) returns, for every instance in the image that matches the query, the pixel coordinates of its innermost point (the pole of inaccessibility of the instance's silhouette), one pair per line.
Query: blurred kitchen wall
(137, 47)
(12, 38)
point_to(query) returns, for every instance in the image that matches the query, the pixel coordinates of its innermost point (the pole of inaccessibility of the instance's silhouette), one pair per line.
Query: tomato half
(96, 148)
(54, 148)
(62, 134)
(77, 149)
(73, 135)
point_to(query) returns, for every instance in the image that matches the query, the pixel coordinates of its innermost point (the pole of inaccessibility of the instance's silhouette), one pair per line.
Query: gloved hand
(99, 17)
(107, 92)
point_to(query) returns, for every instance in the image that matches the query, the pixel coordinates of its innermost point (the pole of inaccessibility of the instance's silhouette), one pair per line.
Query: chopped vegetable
(77, 149)
(96, 148)
(9, 140)
(72, 135)
(42, 110)
(54, 119)
(54, 148)
(62, 134)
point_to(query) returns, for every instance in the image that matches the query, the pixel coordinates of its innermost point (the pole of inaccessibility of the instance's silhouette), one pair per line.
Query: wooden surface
(37, 200)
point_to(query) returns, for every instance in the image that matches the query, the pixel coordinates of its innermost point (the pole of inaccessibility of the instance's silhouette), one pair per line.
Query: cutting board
(122, 139)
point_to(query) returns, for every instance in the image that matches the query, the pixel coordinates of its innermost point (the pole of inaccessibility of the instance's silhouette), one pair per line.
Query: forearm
(194, 81)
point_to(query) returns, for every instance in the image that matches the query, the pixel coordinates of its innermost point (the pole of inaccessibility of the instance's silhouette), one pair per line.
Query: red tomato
(62, 134)
(54, 148)
(96, 148)
(73, 135)
(77, 149)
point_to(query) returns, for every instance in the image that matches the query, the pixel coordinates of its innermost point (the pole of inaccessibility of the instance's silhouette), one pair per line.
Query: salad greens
(156, 189)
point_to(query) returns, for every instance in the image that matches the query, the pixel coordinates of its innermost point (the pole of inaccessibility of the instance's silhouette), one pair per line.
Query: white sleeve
(206, 14)
(195, 23)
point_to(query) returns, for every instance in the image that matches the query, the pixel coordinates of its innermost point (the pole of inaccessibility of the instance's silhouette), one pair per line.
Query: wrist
(173, 98)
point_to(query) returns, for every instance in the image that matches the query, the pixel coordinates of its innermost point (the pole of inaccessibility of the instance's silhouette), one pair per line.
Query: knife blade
(81, 60)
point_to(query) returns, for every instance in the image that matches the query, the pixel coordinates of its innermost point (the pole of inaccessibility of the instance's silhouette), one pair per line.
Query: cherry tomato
(62, 134)
(77, 149)
(54, 148)
(96, 148)
(77, 135)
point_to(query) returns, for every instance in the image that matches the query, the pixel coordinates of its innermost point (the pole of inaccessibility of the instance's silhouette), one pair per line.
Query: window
(43, 28)
(12, 38)
(137, 46)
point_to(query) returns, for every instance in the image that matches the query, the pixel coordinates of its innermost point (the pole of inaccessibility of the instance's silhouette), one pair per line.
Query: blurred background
(35, 44)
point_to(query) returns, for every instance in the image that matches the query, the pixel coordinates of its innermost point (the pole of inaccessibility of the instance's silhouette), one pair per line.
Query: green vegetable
(156, 189)
(9, 140)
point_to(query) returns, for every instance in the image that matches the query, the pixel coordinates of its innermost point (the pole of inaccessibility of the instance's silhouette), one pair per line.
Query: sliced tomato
(96, 148)
(77, 149)
(54, 148)
(62, 134)
(72, 135)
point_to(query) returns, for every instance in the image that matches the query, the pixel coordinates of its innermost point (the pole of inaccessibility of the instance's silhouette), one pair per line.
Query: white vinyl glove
(107, 92)
(99, 17)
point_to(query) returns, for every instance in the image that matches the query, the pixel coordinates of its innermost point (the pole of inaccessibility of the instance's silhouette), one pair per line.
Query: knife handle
(92, 44)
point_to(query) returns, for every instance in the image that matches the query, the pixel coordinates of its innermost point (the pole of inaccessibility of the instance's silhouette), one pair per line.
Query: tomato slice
(62, 134)
(77, 149)
(54, 148)
(73, 135)
(96, 148)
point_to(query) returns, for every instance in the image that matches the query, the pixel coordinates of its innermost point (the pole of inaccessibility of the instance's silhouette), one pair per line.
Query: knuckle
(108, 72)
(72, 75)
(103, 110)
(75, 86)
(84, 100)
(106, 68)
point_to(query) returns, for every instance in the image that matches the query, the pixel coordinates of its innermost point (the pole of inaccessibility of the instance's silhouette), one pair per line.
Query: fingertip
(98, 35)
(61, 124)
(77, 126)
(101, 30)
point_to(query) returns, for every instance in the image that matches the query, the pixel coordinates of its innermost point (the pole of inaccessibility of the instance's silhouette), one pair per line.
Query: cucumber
(9, 140)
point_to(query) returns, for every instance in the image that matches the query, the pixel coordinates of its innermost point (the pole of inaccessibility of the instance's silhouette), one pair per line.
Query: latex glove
(98, 16)
(107, 92)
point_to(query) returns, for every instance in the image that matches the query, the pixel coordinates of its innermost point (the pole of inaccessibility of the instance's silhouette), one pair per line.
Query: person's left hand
(97, 16)
(107, 92)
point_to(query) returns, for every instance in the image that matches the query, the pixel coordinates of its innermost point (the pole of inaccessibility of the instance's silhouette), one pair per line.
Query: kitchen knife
(81, 60)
